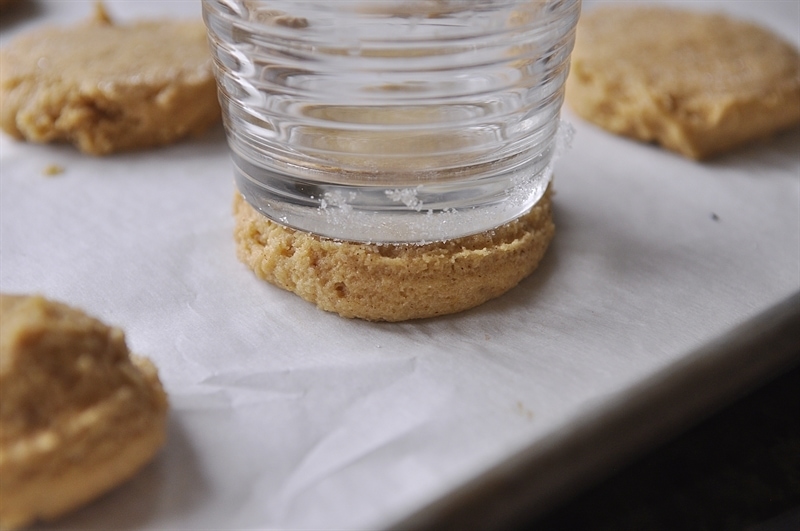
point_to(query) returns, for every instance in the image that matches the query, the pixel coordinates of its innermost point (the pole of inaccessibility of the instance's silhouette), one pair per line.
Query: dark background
(738, 470)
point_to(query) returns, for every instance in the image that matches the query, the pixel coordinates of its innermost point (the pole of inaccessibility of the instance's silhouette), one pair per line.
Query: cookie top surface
(700, 84)
(109, 87)
(78, 415)
(56, 361)
(702, 55)
(104, 54)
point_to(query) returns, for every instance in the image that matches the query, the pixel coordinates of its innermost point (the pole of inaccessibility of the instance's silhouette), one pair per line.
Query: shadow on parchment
(778, 152)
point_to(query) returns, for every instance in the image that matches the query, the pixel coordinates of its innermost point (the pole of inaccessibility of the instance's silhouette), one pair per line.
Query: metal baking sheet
(283, 416)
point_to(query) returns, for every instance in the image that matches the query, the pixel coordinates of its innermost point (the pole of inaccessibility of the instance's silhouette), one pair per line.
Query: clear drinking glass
(391, 120)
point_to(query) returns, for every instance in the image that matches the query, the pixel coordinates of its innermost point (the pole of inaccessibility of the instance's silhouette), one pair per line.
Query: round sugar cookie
(393, 282)
(106, 87)
(696, 83)
(78, 415)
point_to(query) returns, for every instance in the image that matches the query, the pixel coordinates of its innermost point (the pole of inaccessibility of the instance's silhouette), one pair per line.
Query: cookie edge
(504, 264)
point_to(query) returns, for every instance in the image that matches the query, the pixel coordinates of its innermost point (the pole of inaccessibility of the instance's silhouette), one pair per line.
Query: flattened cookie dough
(699, 84)
(77, 414)
(393, 282)
(107, 87)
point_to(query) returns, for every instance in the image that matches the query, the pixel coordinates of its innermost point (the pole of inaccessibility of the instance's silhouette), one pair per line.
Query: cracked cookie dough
(696, 83)
(78, 415)
(394, 282)
(109, 87)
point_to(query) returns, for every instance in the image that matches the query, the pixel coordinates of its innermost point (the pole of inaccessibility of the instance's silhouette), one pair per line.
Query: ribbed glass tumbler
(391, 120)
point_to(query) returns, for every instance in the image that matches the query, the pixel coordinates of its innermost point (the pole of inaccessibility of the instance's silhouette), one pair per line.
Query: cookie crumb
(101, 15)
(52, 170)
(289, 21)
(524, 411)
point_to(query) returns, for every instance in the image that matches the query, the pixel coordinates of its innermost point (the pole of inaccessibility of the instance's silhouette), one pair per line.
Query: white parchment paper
(283, 416)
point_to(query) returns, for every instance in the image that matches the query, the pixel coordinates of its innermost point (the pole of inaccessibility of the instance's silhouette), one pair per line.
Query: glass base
(428, 212)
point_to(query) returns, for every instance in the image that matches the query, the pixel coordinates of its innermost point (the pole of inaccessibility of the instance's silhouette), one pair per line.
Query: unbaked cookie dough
(696, 83)
(106, 87)
(78, 415)
(393, 282)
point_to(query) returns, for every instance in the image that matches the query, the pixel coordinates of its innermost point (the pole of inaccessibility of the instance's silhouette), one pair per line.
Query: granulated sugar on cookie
(699, 84)
(107, 87)
(78, 414)
(394, 282)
